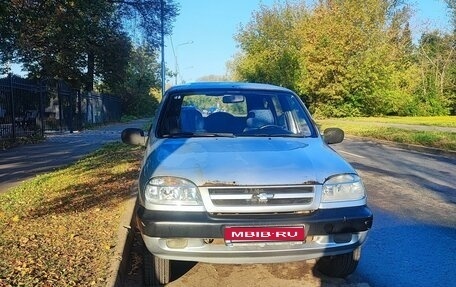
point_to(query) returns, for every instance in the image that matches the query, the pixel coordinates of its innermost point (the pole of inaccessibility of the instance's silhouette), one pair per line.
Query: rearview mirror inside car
(231, 99)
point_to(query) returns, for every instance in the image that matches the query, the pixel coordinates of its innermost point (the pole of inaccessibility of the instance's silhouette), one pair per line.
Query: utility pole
(162, 12)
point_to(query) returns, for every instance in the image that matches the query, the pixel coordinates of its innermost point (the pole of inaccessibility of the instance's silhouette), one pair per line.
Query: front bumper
(328, 231)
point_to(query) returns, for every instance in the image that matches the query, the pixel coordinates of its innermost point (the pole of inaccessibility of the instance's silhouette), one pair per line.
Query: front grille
(290, 196)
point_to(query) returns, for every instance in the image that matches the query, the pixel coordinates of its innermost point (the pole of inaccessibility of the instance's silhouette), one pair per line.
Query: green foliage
(269, 48)
(6, 47)
(141, 76)
(214, 78)
(127, 118)
(339, 111)
(79, 41)
(437, 61)
(349, 58)
(452, 8)
(52, 40)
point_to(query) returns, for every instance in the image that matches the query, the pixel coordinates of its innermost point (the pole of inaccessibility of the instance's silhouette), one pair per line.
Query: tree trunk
(90, 71)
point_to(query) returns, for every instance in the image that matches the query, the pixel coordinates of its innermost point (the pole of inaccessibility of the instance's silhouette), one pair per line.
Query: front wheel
(340, 265)
(157, 271)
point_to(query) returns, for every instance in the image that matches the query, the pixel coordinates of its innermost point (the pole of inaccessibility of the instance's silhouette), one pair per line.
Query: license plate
(235, 234)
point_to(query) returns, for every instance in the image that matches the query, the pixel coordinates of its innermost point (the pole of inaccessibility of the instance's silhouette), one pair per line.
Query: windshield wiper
(285, 135)
(178, 135)
(197, 134)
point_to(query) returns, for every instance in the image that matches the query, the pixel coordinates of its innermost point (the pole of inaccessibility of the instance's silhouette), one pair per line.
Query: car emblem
(261, 197)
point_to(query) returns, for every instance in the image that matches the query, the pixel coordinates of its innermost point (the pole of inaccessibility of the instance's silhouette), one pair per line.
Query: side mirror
(333, 135)
(133, 136)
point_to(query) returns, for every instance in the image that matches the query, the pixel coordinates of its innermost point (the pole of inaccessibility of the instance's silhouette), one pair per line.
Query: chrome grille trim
(260, 199)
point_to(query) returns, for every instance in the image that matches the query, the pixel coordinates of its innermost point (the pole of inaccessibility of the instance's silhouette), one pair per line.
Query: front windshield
(240, 113)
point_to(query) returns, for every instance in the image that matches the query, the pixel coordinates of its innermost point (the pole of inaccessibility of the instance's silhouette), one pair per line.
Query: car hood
(244, 160)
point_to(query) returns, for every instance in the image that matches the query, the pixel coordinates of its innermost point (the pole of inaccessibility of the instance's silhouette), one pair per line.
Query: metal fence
(100, 108)
(30, 108)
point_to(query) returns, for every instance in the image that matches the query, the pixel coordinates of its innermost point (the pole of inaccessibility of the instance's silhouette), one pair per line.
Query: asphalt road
(412, 242)
(413, 197)
(59, 149)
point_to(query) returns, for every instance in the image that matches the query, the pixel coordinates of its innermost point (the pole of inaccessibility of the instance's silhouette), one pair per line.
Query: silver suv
(239, 173)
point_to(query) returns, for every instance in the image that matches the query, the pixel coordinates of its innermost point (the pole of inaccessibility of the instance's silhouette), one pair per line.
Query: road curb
(125, 236)
(418, 148)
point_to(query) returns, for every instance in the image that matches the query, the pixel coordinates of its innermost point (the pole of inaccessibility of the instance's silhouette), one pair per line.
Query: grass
(60, 228)
(128, 118)
(370, 127)
(442, 121)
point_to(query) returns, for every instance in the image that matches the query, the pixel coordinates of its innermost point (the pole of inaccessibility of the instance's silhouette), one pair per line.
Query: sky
(203, 33)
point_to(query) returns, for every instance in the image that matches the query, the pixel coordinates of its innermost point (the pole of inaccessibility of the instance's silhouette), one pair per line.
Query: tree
(213, 78)
(6, 49)
(137, 90)
(437, 60)
(452, 8)
(345, 57)
(153, 17)
(75, 40)
(452, 67)
(269, 49)
(355, 58)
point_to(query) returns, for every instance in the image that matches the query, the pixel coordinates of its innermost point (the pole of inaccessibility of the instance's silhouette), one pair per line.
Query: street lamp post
(176, 66)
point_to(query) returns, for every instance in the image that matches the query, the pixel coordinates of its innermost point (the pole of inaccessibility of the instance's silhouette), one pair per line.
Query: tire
(157, 271)
(339, 266)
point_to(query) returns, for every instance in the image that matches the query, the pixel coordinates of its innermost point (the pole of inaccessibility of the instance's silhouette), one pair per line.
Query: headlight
(343, 187)
(172, 191)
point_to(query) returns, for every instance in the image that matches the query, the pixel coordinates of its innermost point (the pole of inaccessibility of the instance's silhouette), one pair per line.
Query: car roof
(201, 86)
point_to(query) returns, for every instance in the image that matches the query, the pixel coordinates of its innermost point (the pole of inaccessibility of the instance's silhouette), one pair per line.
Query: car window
(300, 118)
(233, 114)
